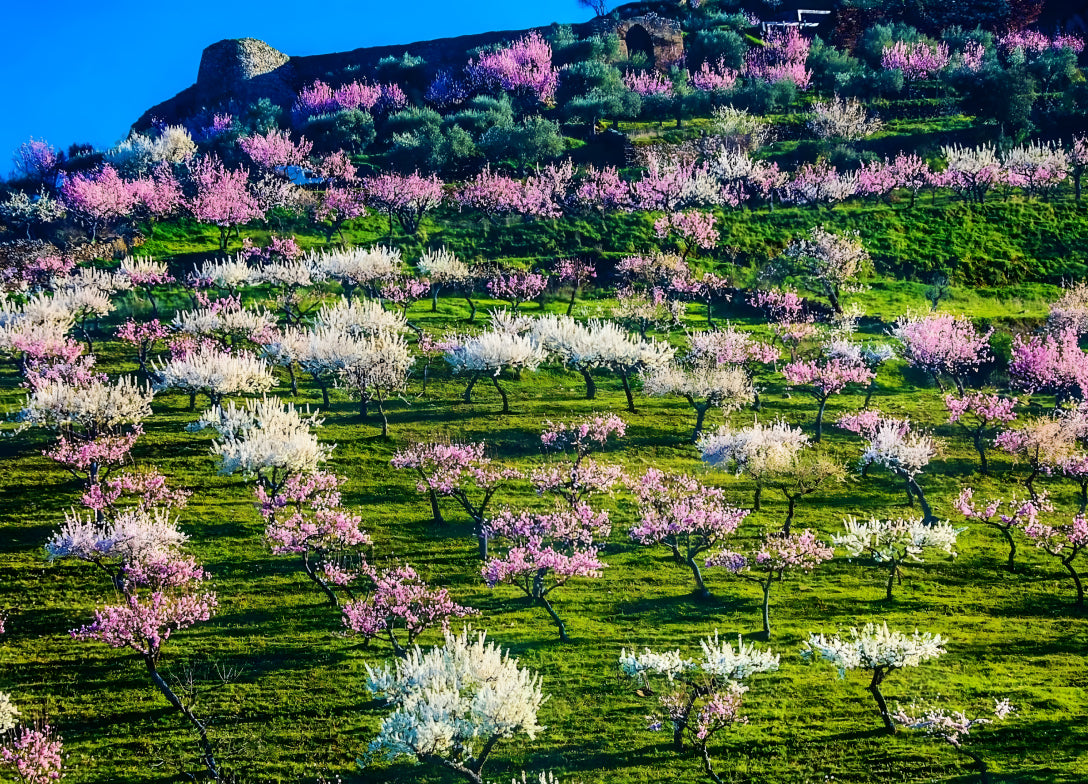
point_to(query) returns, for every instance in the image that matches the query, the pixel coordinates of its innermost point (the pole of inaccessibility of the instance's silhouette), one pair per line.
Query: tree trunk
(927, 512)
(468, 390)
(792, 500)
(207, 755)
(627, 391)
(472, 309)
(874, 688)
(311, 572)
(700, 415)
(757, 498)
(1068, 564)
(558, 621)
(980, 447)
(767, 606)
(294, 379)
(436, 513)
(1007, 533)
(434, 299)
(700, 587)
(820, 420)
(893, 572)
(591, 385)
(573, 294)
(505, 399)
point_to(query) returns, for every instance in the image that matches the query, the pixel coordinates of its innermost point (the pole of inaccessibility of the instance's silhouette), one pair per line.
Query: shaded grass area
(284, 687)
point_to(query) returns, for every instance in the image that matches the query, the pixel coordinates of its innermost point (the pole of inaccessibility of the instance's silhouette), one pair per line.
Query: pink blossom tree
(408, 196)
(100, 199)
(1018, 514)
(944, 345)
(824, 378)
(275, 150)
(524, 67)
(770, 559)
(575, 273)
(546, 550)
(1064, 542)
(693, 230)
(32, 754)
(917, 60)
(401, 603)
(305, 517)
(462, 472)
(1051, 363)
(516, 286)
(978, 412)
(685, 516)
(781, 58)
(39, 162)
(222, 197)
(953, 727)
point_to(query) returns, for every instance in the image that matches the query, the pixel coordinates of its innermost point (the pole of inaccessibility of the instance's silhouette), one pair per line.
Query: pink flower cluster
(781, 58)
(275, 149)
(693, 228)
(1035, 41)
(145, 623)
(149, 488)
(678, 506)
(714, 78)
(524, 66)
(647, 83)
(34, 755)
(918, 60)
(583, 435)
(827, 377)
(1051, 363)
(400, 600)
(944, 344)
(517, 286)
(983, 408)
(320, 98)
(305, 516)
(447, 468)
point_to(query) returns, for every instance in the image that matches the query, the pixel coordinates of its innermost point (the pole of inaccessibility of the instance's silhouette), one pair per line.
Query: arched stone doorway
(638, 40)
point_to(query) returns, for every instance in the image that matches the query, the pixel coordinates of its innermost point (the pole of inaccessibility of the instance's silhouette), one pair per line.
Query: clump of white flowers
(877, 649)
(453, 703)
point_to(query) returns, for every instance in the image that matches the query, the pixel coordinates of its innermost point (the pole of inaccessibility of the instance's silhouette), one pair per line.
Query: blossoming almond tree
(759, 451)
(491, 353)
(162, 592)
(462, 472)
(401, 603)
(1019, 514)
(944, 345)
(703, 696)
(776, 554)
(824, 378)
(953, 727)
(96, 423)
(305, 517)
(876, 649)
(453, 704)
(976, 412)
(31, 754)
(703, 385)
(685, 516)
(1064, 542)
(544, 551)
(891, 543)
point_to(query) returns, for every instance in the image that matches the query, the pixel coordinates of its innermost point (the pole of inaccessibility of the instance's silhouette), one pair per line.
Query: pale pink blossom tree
(953, 727)
(32, 754)
(944, 345)
(1018, 514)
(977, 413)
(401, 603)
(222, 197)
(683, 515)
(768, 560)
(462, 472)
(824, 378)
(305, 517)
(1064, 542)
(546, 550)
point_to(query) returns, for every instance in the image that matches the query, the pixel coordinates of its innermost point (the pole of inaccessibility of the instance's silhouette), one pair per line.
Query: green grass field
(283, 685)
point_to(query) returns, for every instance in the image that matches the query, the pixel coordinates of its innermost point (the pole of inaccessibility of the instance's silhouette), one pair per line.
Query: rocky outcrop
(242, 70)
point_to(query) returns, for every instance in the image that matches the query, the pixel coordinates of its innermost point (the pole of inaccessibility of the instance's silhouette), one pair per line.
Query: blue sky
(84, 71)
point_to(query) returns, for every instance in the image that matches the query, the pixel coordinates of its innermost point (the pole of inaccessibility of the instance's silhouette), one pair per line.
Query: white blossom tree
(876, 649)
(215, 373)
(891, 543)
(379, 369)
(699, 697)
(490, 353)
(453, 704)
